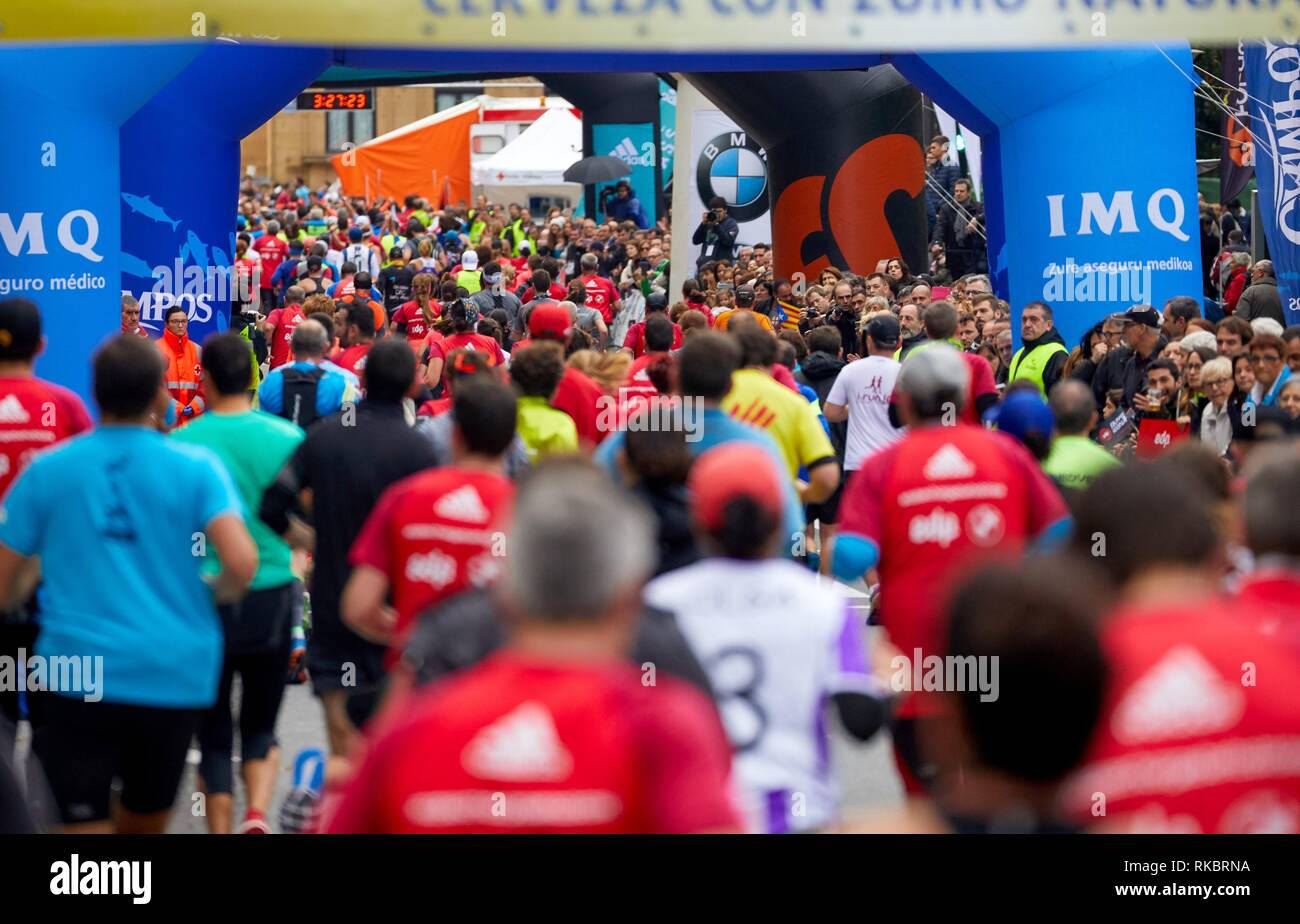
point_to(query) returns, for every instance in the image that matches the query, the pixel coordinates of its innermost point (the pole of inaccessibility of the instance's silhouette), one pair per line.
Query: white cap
(470, 260)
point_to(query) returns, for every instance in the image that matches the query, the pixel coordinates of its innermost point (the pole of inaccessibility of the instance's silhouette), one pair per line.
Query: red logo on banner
(855, 209)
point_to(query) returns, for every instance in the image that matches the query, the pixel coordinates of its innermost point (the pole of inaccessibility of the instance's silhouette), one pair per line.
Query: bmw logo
(734, 167)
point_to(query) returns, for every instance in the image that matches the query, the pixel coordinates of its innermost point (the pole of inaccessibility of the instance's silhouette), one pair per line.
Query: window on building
(355, 126)
(445, 99)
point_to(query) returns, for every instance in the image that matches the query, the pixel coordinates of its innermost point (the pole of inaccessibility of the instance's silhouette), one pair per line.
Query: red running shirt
(411, 315)
(435, 534)
(480, 343)
(353, 358)
(1200, 729)
(34, 415)
(601, 295)
(273, 251)
(937, 501)
(286, 320)
(516, 745)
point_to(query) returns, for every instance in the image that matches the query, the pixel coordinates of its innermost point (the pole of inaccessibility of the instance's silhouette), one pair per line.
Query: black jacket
(671, 506)
(911, 343)
(1109, 373)
(1133, 373)
(818, 371)
(719, 239)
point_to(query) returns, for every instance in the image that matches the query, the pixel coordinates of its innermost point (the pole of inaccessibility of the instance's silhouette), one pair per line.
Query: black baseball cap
(745, 296)
(883, 329)
(20, 329)
(1139, 314)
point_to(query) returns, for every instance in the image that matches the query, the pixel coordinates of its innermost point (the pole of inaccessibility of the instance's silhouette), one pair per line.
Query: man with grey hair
(555, 732)
(1074, 460)
(309, 388)
(1262, 299)
(978, 285)
(926, 508)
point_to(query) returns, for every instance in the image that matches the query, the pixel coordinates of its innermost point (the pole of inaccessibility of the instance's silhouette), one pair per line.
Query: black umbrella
(596, 169)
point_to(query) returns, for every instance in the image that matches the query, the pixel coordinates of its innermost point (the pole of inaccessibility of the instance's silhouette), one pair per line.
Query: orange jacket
(184, 377)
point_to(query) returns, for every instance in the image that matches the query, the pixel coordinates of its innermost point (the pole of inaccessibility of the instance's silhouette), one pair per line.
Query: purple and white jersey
(776, 643)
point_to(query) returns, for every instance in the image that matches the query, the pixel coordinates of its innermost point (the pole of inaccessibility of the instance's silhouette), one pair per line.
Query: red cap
(550, 322)
(734, 470)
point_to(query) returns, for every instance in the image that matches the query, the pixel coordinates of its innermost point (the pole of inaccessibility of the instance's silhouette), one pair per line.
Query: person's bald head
(309, 340)
(1074, 407)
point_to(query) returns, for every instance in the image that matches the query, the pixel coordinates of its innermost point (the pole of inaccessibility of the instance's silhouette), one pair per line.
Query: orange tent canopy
(428, 158)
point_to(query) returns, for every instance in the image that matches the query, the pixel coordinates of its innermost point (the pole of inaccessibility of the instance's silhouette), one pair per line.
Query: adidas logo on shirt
(521, 746)
(12, 411)
(1182, 696)
(464, 505)
(948, 464)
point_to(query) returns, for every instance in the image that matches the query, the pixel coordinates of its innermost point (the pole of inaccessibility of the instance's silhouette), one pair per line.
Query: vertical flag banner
(1237, 163)
(667, 128)
(730, 163)
(634, 144)
(1273, 80)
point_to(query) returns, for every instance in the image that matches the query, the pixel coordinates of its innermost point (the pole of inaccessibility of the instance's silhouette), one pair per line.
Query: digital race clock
(330, 100)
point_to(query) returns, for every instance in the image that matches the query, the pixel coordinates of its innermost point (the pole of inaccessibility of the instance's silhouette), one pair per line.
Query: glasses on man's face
(179, 322)
(1265, 359)
(1211, 383)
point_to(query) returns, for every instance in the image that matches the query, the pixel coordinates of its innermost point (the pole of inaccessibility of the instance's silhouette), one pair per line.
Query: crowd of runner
(557, 552)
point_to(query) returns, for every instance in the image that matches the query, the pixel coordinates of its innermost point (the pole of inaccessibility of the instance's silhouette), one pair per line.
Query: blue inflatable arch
(122, 159)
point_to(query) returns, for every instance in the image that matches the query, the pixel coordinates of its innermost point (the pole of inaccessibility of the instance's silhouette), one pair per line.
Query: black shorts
(261, 623)
(828, 511)
(84, 747)
(339, 659)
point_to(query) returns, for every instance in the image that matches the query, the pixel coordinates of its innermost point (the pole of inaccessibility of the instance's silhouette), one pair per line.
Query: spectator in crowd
(959, 232)
(1261, 299)
(1075, 461)
(1041, 360)
(1216, 416)
(717, 232)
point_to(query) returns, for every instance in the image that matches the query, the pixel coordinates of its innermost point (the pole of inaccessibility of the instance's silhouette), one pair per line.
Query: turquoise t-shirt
(254, 447)
(118, 517)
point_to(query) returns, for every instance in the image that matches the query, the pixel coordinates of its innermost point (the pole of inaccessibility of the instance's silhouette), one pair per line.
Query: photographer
(717, 232)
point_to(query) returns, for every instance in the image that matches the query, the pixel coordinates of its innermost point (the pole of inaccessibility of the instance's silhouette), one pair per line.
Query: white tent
(534, 163)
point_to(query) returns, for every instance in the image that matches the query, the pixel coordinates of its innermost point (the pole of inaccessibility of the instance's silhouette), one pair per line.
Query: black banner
(988, 876)
(1236, 164)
